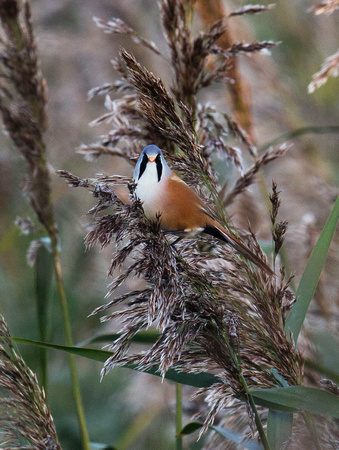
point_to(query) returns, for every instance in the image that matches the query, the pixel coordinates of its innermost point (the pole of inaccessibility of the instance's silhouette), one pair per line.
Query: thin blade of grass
(191, 428)
(310, 277)
(192, 379)
(287, 399)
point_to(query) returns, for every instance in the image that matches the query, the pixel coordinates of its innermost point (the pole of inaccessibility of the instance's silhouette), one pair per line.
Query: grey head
(151, 154)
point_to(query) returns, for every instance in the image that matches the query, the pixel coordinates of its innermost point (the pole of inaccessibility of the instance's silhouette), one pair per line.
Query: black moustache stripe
(143, 165)
(159, 167)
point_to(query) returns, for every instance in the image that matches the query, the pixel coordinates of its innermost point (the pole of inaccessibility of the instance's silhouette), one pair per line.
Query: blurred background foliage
(75, 57)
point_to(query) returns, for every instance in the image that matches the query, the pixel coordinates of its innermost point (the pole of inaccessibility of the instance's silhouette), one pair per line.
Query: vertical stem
(248, 396)
(256, 417)
(24, 79)
(69, 340)
(178, 416)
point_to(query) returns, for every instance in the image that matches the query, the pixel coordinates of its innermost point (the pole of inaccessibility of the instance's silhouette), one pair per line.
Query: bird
(181, 211)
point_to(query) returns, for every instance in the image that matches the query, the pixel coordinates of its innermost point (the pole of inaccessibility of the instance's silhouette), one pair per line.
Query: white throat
(150, 191)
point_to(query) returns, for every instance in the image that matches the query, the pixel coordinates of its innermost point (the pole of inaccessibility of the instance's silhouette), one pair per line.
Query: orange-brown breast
(182, 207)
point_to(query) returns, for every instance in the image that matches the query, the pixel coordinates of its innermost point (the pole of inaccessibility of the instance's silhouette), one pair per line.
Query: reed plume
(25, 420)
(213, 310)
(23, 110)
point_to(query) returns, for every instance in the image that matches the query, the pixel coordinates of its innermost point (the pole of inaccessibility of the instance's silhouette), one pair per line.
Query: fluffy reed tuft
(25, 420)
(23, 103)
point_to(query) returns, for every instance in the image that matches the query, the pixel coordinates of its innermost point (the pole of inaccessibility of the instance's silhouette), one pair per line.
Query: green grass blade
(190, 428)
(191, 379)
(310, 277)
(315, 401)
(89, 353)
(288, 399)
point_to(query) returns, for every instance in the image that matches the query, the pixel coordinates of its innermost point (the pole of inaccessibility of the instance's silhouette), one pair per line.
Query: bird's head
(151, 155)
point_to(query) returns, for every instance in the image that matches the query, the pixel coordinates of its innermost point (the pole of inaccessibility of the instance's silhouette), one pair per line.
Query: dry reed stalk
(23, 109)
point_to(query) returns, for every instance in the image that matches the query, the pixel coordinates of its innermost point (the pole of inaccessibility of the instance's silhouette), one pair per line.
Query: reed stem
(67, 326)
(178, 416)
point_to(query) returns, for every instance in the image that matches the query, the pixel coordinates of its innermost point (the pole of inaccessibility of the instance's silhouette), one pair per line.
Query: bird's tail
(216, 230)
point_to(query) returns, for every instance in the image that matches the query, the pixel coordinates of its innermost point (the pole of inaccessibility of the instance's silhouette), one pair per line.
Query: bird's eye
(159, 166)
(143, 165)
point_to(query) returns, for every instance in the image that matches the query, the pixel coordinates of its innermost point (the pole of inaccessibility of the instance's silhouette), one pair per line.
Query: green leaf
(89, 353)
(310, 277)
(143, 337)
(228, 434)
(191, 428)
(287, 399)
(199, 380)
(294, 398)
(279, 428)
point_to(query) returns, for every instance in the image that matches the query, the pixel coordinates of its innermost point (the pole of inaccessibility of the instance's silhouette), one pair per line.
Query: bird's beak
(151, 158)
